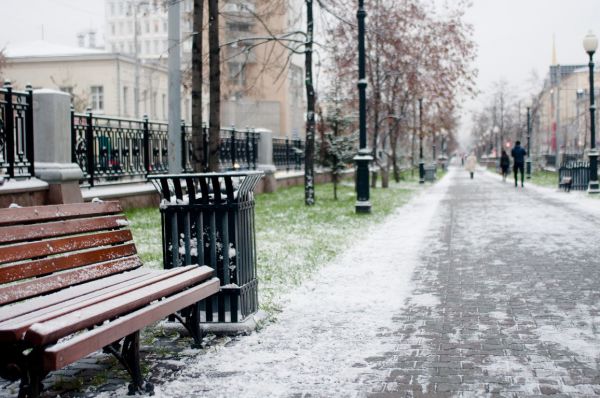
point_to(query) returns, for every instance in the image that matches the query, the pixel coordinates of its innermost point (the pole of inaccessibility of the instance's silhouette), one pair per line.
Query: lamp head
(590, 43)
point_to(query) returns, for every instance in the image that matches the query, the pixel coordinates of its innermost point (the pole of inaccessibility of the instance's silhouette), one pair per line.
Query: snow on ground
(322, 340)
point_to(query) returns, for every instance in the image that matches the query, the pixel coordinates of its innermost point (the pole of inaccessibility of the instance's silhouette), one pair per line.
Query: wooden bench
(565, 183)
(71, 284)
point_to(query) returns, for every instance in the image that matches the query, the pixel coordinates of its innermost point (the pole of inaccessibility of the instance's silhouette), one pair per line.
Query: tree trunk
(215, 85)
(309, 181)
(198, 158)
(385, 176)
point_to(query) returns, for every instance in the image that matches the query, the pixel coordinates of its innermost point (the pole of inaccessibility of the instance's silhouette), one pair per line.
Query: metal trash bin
(430, 171)
(208, 218)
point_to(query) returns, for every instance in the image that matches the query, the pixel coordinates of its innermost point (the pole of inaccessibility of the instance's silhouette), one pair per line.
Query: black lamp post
(362, 159)
(421, 161)
(590, 44)
(528, 161)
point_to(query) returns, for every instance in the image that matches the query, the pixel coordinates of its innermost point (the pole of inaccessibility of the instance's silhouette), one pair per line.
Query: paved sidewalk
(472, 289)
(506, 300)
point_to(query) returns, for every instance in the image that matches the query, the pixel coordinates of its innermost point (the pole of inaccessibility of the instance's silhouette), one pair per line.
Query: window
(112, 8)
(147, 27)
(156, 50)
(153, 104)
(165, 26)
(239, 27)
(145, 100)
(156, 26)
(97, 98)
(125, 99)
(164, 106)
(237, 73)
(113, 30)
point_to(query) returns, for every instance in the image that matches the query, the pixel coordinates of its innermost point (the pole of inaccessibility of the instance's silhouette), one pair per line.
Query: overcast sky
(514, 37)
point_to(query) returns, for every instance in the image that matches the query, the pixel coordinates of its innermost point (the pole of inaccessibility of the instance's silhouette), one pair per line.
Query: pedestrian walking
(518, 154)
(471, 164)
(504, 164)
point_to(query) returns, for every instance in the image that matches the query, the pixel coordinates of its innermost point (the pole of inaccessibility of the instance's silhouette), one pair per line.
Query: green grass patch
(545, 178)
(293, 240)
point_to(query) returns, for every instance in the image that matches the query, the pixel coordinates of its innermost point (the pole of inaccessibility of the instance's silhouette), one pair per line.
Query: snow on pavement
(322, 340)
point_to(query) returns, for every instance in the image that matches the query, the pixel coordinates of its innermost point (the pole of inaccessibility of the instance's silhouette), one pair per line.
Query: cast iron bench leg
(31, 380)
(130, 359)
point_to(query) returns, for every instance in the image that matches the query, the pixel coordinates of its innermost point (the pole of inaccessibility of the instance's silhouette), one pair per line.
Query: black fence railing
(579, 171)
(16, 132)
(238, 149)
(113, 150)
(288, 154)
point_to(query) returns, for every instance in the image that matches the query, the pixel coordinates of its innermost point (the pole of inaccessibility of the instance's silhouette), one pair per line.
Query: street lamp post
(590, 44)
(528, 161)
(421, 161)
(362, 159)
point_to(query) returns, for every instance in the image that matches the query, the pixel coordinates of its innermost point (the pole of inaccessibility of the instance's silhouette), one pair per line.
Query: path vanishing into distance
(474, 288)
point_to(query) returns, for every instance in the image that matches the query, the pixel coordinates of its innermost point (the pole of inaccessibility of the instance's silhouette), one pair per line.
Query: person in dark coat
(504, 164)
(518, 154)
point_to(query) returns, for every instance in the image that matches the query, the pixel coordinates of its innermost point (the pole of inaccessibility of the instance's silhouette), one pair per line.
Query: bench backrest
(48, 248)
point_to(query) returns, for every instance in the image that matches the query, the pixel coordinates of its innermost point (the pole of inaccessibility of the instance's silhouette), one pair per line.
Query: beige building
(563, 117)
(101, 80)
(262, 86)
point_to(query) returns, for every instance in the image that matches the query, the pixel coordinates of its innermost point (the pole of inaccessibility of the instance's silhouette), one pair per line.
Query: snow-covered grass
(293, 240)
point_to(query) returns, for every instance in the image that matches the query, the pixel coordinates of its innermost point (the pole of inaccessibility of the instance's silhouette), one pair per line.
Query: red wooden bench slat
(56, 212)
(18, 233)
(65, 353)
(52, 330)
(28, 250)
(15, 272)
(47, 284)
(72, 293)
(14, 329)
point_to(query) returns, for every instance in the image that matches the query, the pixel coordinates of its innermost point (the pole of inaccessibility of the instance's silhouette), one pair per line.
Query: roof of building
(42, 48)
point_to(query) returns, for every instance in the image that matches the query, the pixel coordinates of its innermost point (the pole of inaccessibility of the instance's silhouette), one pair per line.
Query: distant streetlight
(590, 44)
(421, 161)
(528, 105)
(362, 159)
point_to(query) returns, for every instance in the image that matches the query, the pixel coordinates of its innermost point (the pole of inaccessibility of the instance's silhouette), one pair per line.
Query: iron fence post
(232, 146)
(205, 147)
(146, 144)
(287, 154)
(29, 131)
(73, 137)
(89, 138)
(248, 147)
(9, 128)
(183, 147)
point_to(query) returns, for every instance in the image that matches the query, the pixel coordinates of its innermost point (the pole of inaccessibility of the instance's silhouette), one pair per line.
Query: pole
(362, 159)
(174, 146)
(528, 167)
(421, 161)
(136, 89)
(593, 154)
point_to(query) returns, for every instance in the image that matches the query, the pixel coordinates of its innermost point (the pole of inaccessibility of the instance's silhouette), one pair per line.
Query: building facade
(262, 82)
(563, 116)
(97, 79)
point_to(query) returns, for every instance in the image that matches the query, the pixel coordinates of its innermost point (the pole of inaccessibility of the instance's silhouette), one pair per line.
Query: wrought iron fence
(579, 171)
(16, 132)
(288, 154)
(113, 150)
(238, 149)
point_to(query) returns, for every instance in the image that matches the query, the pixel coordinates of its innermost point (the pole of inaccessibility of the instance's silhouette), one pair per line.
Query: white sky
(514, 37)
